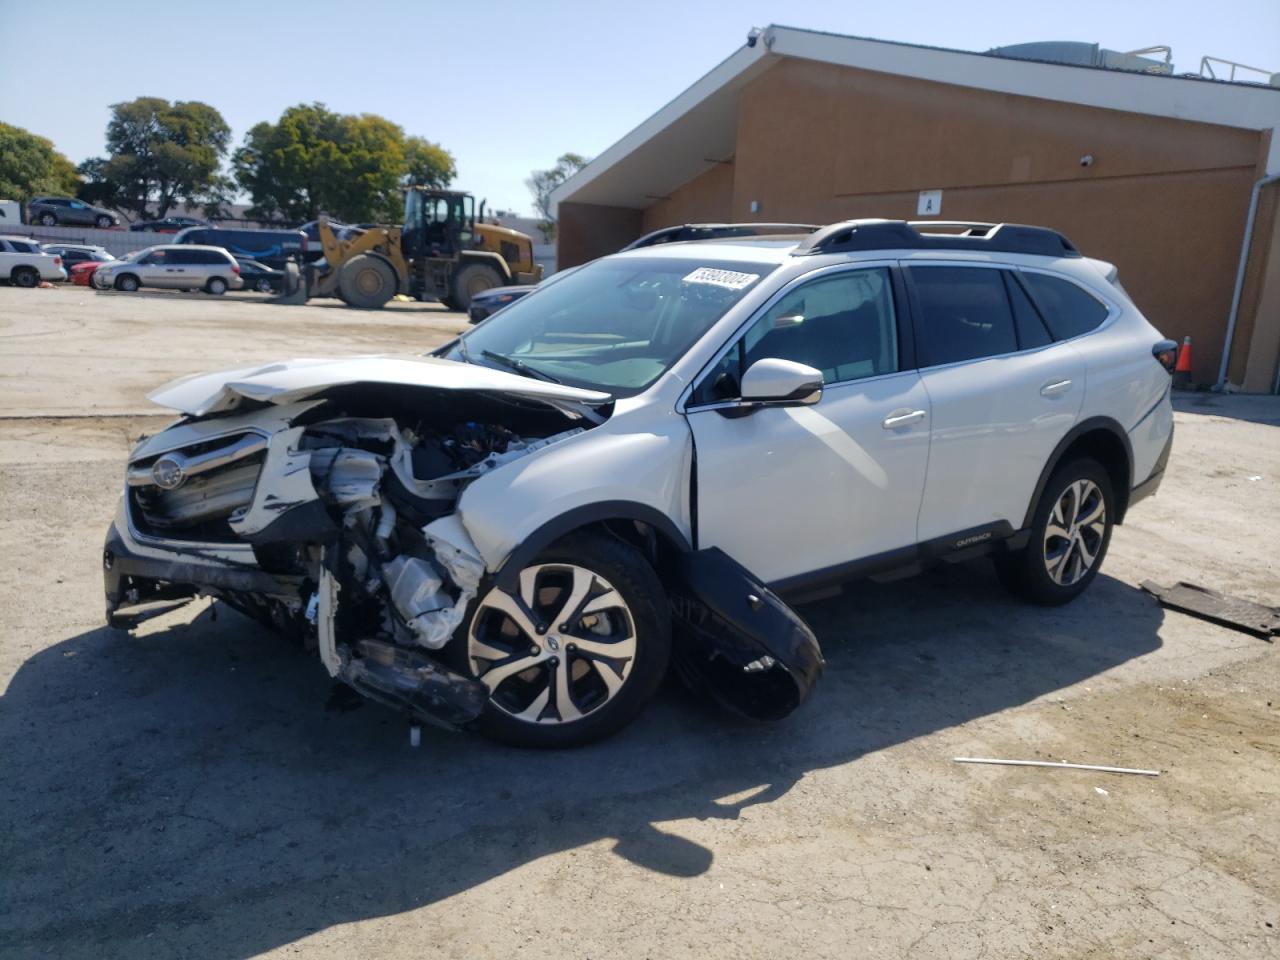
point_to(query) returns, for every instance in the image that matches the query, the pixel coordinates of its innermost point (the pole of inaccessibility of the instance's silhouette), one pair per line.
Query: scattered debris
(1055, 763)
(1100, 792)
(1255, 478)
(1233, 612)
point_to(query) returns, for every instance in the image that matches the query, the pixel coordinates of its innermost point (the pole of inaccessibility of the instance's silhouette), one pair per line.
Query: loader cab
(438, 223)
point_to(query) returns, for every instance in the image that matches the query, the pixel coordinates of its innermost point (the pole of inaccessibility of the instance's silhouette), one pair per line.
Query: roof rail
(859, 235)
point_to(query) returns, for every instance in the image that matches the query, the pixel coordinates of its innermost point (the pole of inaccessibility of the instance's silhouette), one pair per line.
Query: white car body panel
(992, 433)
(641, 455)
(788, 490)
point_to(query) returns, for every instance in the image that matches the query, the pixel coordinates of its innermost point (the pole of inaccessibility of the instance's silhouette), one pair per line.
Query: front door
(157, 269)
(788, 491)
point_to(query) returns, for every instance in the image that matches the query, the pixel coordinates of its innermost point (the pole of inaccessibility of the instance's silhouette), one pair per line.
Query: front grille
(219, 478)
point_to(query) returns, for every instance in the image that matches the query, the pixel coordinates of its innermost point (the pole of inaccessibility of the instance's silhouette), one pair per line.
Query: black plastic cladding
(860, 235)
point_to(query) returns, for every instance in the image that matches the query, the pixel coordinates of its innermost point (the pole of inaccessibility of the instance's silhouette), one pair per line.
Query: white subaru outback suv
(626, 468)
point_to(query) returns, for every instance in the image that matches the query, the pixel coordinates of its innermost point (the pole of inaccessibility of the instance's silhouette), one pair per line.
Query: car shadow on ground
(198, 790)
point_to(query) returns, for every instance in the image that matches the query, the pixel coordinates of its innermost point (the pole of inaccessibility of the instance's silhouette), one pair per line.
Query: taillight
(57, 260)
(235, 268)
(1166, 351)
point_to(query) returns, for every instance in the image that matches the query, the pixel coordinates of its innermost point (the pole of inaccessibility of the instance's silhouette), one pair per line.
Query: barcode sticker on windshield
(730, 279)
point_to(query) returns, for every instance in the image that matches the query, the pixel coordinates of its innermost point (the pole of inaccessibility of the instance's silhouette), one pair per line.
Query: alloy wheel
(1075, 532)
(559, 649)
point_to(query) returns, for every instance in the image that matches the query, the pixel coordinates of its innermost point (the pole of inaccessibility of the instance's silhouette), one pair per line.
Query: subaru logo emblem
(168, 473)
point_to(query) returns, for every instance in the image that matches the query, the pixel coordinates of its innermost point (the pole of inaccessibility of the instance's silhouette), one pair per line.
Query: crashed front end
(329, 511)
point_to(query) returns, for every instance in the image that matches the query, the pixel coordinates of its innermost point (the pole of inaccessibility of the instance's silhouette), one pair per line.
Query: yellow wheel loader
(444, 251)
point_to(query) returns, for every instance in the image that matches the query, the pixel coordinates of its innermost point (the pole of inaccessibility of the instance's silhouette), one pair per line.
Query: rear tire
(1070, 533)
(24, 277)
(128, 283)
(216, 286)
(472, 279)
(367, 282)
(613, 657)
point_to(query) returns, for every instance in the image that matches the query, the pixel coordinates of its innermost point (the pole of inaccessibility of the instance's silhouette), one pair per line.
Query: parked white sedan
(24, 264)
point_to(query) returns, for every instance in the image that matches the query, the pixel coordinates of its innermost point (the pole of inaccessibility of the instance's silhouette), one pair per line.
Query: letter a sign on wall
(930, 203)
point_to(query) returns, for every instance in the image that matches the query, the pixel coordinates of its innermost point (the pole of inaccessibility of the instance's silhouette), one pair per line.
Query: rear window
(1068, 309)
(964, 314)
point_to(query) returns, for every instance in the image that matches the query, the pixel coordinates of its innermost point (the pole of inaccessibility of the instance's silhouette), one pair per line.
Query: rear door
(1002, 395)
(790, 491)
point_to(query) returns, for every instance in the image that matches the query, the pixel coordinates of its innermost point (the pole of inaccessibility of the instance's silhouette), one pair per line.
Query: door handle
(1055, 388)
(903, 418)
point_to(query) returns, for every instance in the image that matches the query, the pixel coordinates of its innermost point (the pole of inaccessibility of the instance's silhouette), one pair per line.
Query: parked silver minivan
(172, 266)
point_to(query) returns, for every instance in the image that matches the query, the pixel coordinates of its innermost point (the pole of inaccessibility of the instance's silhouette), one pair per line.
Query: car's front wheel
(128, 283)
(104, 223)
(576, 651)
(48, 220)
(1070, 533)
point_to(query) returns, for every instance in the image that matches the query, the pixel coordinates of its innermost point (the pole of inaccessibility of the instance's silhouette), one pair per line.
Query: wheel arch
(487, 258)
(1101, 439)
(638, 523)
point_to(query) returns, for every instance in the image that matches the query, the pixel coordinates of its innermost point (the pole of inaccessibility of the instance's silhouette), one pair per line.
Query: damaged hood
(295, 380)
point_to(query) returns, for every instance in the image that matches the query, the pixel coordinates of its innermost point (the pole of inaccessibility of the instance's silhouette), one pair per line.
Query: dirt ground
(194, 790)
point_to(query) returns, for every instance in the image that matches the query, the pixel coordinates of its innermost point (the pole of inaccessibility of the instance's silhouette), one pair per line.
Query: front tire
(104, 223)
(48, 220)
(577, 652)
(367, 282)
(472, 279)
(1070, 533)
(128, 283)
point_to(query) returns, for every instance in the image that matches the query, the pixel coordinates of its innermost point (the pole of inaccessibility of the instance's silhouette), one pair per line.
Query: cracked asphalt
(193, 790)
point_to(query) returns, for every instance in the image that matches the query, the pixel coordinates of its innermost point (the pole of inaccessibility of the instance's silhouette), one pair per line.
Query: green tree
(313, 161)
(542, 183)
(160, 152)
(427, 164)
(29, 166)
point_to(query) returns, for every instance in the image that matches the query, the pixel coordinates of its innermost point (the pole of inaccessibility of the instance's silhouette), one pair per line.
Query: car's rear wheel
(216, 286)
(1070, 533)
(128, 283)
(48, 220)
(24, 277)
(104, 223)
(576, 651)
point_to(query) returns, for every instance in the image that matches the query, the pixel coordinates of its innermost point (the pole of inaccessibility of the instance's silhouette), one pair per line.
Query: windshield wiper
(519, 366)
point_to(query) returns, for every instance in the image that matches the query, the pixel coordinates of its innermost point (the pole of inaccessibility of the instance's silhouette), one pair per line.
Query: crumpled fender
(640, 463)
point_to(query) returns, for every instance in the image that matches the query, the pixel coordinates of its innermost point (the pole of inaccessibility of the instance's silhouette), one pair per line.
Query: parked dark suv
(51, 211)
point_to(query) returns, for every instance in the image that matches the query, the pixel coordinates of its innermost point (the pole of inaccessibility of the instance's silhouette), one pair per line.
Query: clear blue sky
(507, 87)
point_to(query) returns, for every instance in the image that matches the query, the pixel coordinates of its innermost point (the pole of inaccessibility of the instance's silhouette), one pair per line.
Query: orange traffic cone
(1182, 369)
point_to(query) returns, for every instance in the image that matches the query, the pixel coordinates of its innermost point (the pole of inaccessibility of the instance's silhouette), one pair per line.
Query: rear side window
(20, 246)
(964, 314)
(1067, 309)
(1032, 332)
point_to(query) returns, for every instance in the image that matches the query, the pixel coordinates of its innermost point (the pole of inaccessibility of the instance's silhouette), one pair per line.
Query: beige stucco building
(1154, 173)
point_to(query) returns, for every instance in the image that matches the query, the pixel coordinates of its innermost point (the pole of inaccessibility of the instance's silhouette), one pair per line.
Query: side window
(1032, 332)
(964, 314)
(1067, 309)
(155, 257)
(843, 325)
(76, 205)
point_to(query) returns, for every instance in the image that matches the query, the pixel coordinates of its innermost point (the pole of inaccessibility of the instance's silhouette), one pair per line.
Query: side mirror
(785, 382)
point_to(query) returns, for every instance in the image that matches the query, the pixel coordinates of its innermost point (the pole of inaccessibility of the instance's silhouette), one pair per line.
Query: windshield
(614, 325)
(136, 254)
